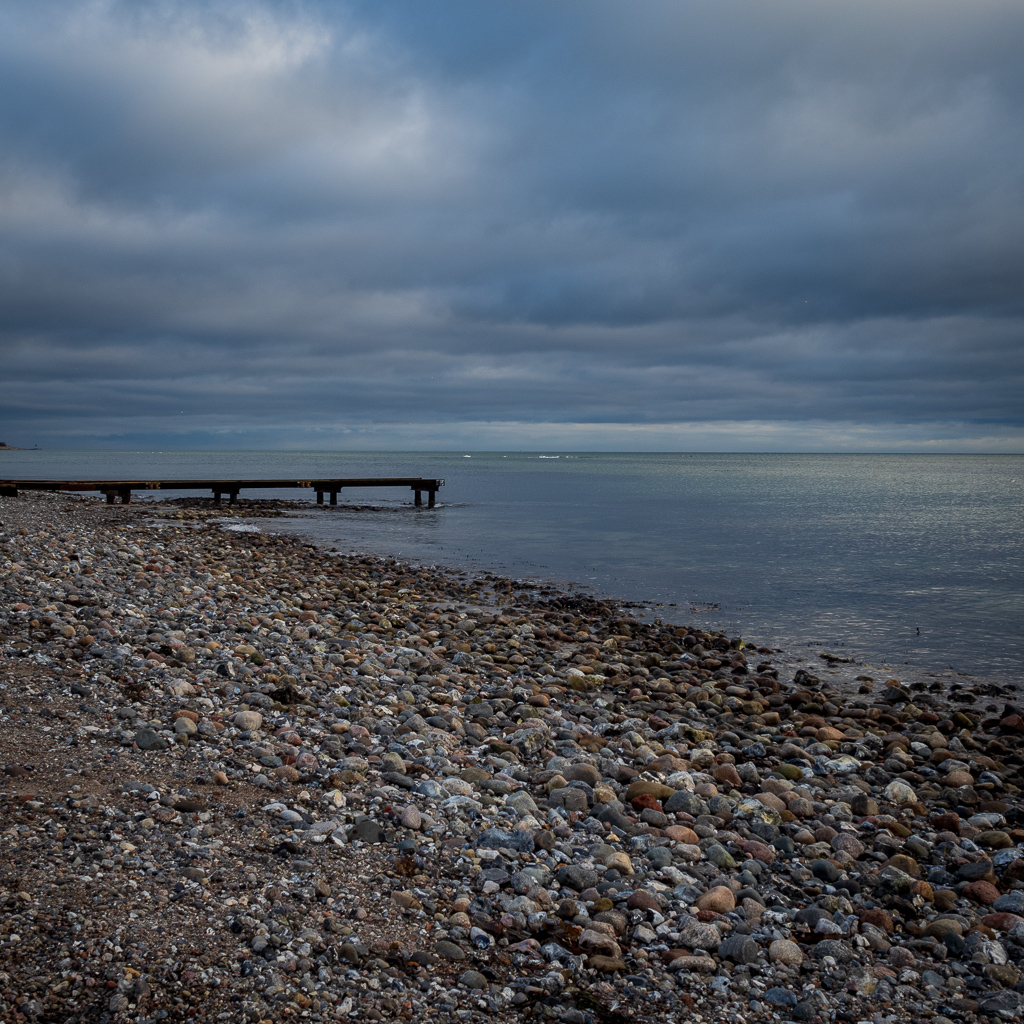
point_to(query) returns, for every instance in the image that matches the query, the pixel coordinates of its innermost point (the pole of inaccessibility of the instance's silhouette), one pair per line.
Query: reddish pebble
(640, 900)
(981, 892)
(644, 800)
(682, 834)
(1002, 921)
(879, 918)
(758, 851)
(948, 821)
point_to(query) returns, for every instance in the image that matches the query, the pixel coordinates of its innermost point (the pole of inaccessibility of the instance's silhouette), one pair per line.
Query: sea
(912, 560)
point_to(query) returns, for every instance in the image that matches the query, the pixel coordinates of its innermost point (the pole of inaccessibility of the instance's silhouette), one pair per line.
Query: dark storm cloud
(699, 224)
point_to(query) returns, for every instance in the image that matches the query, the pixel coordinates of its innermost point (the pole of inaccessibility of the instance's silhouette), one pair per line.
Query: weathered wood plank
(124, 488)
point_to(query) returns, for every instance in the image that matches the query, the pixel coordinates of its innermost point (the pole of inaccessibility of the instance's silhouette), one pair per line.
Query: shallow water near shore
(912, 560)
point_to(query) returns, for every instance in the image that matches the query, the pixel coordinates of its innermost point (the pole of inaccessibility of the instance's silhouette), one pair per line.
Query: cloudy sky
(675, 224)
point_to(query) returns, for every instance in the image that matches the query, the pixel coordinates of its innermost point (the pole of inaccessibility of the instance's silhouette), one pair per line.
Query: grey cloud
(531, 213)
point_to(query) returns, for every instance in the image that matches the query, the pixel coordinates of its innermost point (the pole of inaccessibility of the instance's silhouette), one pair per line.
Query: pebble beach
(250, 779)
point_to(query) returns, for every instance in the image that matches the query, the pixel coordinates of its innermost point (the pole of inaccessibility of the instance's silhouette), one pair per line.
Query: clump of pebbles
(246, 779)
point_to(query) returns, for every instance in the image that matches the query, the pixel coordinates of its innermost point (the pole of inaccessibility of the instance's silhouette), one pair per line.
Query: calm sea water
(902, 558)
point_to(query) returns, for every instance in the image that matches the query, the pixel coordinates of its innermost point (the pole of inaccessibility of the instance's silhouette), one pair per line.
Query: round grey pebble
(740, 949)
(449, 950)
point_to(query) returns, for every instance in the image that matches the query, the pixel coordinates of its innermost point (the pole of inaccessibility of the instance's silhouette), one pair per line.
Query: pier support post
(430, 498)
(319, 497)
(111, 495)
(334, 497)
(419, 497)
(126, 496)
(216, 497)
(232, 497)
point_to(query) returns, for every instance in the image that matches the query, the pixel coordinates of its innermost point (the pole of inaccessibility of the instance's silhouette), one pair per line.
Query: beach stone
(753, 910)
(719, 900)
(741, 949)
(995, 839)
(411, 817)
(1002, 921)
(449, 950)
(840, 951)
(594, 941)
(698, 935)
(606, 964)
(942, 927)
(147, 739)
(758, 851)
(620, 862)
(981, 892)
(682, 834)
(975, 870)
(574, 876)
(826, 870)
(1011, 903)
(771, 800)
(660, 857)
(900, 956)
(879, 918)
(777, 996)
(185, 727)
(582, 772)
(368, 831)
(568, 798)
(406, 900)
(720, 857)
(900, 793)
(785, 951)
(685, 802)
(801, 808)
(906, 864)
(642, 900)
(863, 805)
(1002, 974)
(959, 777)
(247, 721)
(498, 839)
(473, 980)
(848, 844)
(645, 787)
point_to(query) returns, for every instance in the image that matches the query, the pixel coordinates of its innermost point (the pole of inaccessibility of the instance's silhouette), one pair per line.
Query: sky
(697, 225)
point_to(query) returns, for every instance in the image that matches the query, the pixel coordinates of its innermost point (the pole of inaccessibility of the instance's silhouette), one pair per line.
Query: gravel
(248, 779)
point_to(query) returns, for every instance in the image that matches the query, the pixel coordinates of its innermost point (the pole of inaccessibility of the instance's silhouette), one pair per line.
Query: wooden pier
(122, 489)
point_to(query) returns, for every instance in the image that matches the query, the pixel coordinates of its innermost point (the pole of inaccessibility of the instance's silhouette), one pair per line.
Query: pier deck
(122, 489)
